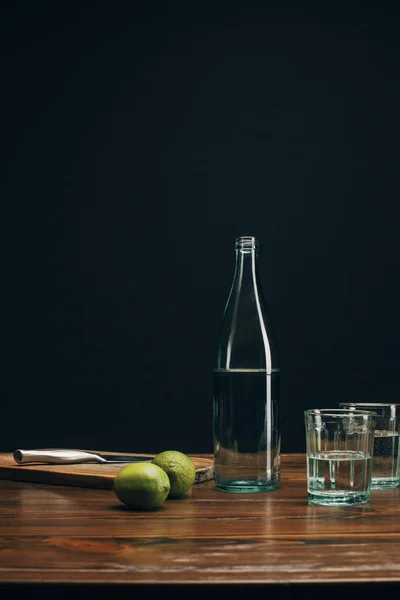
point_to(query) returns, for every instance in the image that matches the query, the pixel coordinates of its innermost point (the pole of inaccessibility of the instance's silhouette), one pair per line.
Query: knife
(59, 457)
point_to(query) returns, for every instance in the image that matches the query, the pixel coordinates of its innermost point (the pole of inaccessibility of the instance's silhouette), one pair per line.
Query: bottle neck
(246, 266)
(244, 341)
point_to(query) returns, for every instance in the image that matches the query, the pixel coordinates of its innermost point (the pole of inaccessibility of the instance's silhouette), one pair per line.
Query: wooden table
(56, 540)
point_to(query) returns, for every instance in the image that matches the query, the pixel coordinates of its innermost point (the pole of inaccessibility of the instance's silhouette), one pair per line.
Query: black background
(138, 140)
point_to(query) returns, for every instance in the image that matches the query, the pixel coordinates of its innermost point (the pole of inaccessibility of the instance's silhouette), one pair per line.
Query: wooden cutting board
(92, 475)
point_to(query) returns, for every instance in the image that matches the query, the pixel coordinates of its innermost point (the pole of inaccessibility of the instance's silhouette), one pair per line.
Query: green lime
(180, 470)
(142, 485)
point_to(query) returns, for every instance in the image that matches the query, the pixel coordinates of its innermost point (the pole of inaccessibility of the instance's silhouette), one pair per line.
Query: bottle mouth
(246, 242)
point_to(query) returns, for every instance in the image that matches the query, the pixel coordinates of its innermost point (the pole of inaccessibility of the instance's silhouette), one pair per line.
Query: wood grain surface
(92, 475)
(55, 534)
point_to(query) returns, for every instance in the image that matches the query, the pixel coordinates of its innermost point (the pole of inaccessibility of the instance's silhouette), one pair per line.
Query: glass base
(381, 483)
(338, 498)
(247, 486)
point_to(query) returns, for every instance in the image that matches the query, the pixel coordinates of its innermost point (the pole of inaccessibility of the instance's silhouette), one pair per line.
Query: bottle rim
(246, 241)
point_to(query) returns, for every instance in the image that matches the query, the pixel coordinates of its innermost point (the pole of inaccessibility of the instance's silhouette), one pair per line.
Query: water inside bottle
(247, 446)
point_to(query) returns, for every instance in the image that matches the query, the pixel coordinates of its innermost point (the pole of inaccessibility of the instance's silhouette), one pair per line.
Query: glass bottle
(246, 385)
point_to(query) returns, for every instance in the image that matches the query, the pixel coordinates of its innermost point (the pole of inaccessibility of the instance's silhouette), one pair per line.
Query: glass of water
(385, 460)
(339, 455)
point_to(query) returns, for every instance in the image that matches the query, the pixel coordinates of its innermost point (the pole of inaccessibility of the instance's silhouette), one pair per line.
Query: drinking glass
(385, 460)
(339, 455)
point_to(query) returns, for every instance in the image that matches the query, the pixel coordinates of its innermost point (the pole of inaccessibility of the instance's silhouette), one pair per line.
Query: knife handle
(57, 457)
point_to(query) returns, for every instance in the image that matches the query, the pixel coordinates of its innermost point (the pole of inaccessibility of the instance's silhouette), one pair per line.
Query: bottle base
(247, 486)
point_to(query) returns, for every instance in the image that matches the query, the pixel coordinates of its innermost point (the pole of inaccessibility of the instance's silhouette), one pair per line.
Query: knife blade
(59, 457)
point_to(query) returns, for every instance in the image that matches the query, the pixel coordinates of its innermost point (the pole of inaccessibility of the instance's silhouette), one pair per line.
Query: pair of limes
(146, 485)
